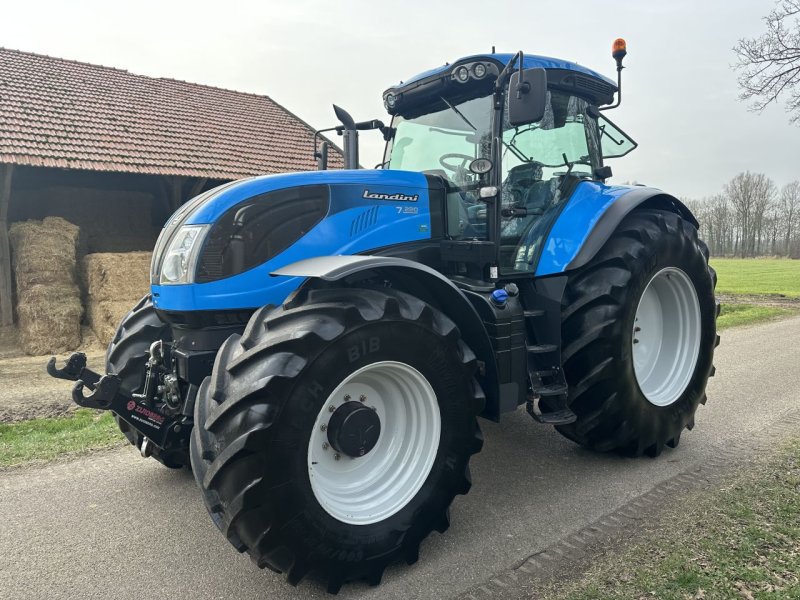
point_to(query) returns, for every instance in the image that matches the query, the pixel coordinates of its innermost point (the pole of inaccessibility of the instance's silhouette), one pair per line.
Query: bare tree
(721, 224)
(750, 218)
(750, 195)
(769, 64)
(790, 217)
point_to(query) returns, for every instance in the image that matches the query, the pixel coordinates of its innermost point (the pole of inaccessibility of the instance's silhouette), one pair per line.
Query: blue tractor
(318, 346)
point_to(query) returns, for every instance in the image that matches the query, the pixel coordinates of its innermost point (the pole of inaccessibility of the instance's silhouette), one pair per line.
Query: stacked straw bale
(114, 283)
(48, 299)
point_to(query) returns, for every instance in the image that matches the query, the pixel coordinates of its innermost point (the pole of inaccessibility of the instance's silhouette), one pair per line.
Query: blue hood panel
(353, 225)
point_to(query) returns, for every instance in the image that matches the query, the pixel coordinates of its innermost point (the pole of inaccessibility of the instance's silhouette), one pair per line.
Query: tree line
(751, 217)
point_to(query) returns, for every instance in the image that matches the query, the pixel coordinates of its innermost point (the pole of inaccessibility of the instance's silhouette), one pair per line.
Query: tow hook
(106, 393)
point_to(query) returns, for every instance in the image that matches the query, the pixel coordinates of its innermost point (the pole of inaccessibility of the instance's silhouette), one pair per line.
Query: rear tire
(626, 400)
(126, 358)
(257, 440)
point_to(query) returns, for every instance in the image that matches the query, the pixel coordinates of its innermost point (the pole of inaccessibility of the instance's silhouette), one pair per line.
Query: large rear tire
(639, 332)
(126, 358)
(282, 477)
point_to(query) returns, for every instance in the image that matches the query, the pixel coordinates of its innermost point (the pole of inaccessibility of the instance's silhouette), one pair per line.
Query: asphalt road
(117, 526)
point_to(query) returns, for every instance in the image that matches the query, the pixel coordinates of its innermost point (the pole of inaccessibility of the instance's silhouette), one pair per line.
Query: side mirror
(527, 96)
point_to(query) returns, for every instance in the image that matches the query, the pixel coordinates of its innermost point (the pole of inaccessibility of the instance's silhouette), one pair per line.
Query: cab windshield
(445, 141)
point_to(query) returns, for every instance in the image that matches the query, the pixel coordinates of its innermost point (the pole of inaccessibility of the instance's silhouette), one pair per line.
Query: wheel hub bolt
(347, 397)
(331, 408)
(363, 397)
(323, 427)
(336, 457)
(324, 445)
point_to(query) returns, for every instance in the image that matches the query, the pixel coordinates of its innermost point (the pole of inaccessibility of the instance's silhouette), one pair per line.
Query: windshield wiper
(513, 148)
(466, 135)
(458, 112)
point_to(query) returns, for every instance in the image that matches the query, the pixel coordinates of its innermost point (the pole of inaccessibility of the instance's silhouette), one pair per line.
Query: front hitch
(102, 395)
(106, 393)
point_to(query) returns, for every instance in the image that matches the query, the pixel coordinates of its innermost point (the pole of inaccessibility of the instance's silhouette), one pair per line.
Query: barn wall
(116, 212)
(110, 220)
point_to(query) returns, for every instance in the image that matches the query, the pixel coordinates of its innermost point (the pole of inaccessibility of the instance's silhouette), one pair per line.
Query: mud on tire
(600, 303)
(126, 357)
(255, 413)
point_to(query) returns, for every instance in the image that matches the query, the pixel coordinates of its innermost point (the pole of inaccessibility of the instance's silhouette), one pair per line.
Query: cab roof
(531, 61)
(418, 92)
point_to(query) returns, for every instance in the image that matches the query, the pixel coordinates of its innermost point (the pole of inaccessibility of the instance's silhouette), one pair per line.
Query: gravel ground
(27, 390)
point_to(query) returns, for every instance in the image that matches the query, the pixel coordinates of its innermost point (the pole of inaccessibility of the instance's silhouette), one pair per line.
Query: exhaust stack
(350, 137)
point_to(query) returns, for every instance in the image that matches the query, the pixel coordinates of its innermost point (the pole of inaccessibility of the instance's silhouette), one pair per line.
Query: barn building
(116, 153)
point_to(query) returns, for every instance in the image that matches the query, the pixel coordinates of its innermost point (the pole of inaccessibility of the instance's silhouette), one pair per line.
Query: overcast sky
(680, 99)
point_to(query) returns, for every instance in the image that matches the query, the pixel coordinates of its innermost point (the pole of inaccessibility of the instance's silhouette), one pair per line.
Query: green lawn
(733, 315)
(758, 276)
(740, 541)
(45, 439)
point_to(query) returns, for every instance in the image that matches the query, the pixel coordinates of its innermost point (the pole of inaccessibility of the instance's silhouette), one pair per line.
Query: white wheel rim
(373, 487)
(666, 336)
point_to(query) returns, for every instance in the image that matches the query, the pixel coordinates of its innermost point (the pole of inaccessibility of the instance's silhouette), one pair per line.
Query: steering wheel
(455, 168)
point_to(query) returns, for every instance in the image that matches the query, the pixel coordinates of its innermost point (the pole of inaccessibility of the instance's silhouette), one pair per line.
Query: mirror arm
(318, 153)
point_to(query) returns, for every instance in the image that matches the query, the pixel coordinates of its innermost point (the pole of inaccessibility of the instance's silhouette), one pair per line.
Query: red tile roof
(62, 113)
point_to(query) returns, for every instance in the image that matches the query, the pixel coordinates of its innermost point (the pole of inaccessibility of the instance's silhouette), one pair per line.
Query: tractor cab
(510, 137)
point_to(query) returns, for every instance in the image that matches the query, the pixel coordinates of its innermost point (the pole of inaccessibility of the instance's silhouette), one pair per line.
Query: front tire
(270, 475)
(639, 332)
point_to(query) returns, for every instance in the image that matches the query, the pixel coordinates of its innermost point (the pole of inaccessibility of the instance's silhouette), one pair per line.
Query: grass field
(45, 439)
(758, 276)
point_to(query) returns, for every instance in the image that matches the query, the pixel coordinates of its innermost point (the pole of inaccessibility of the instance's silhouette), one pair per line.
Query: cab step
(555, 389)
(561, 416)
(542, 348)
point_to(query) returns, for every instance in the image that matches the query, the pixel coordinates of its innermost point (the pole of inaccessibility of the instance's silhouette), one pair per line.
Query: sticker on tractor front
(144, 415)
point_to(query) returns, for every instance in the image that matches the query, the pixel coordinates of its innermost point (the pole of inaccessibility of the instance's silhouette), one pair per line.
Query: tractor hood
(218, 250)
(221, 199)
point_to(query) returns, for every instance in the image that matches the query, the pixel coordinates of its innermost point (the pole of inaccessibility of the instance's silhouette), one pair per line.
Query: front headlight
(179, 261)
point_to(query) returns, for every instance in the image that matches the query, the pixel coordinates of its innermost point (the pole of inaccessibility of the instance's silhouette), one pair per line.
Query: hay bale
(116, 276)
(49, 318)
(114, 283)
(105, 316)
(43, 252)
(48, 300)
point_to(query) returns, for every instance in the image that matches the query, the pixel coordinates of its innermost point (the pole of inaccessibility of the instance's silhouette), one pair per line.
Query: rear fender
(590, 217)
(420, 281)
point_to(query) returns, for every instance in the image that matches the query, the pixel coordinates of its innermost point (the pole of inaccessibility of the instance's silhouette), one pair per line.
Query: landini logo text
(397, 197)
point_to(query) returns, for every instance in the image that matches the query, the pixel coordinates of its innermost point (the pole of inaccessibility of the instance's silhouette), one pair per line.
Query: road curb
(553, 560)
